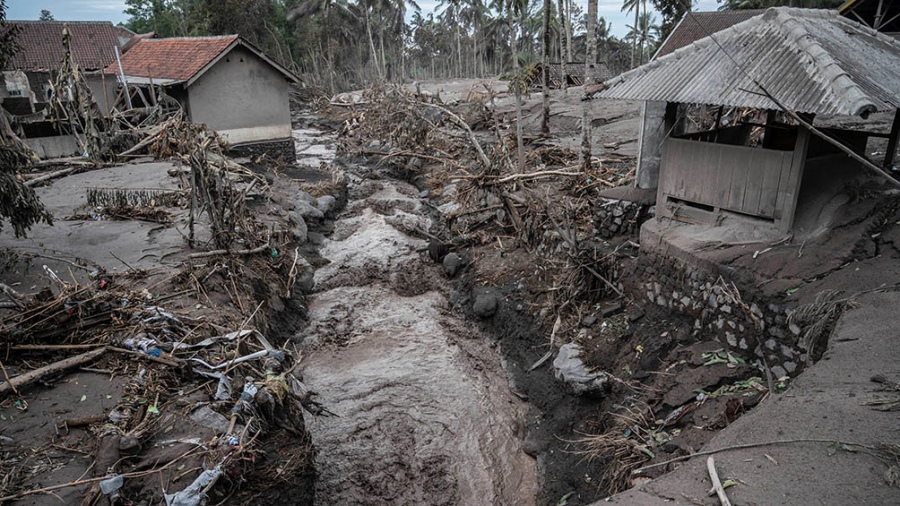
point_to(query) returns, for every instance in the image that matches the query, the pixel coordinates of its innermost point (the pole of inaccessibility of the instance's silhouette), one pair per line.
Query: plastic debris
(110, 485)
(193, 494)
(569, 368)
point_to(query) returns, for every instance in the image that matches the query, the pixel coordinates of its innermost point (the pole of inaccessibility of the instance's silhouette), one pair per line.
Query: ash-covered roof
(812, 61)
(93, 44)
(696, 25)
(183, 58)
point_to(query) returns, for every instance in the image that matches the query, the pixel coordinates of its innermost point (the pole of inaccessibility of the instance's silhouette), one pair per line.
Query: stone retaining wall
(276, 149)
(619, 217)
(737, 320)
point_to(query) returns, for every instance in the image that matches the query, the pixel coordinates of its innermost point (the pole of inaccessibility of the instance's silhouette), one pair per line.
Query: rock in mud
(569, 368)
(486, 302)
(306, 197)
(326, 204)
(300, 231)
(452, 264)
(307, 211)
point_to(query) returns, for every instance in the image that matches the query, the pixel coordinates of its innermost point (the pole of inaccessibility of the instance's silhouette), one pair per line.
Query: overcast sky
(111, 10)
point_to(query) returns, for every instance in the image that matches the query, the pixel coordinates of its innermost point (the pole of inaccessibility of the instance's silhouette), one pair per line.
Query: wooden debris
(62, 365)
(717, 484)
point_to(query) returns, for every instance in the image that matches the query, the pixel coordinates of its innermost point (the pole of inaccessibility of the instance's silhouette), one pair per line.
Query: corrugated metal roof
(812, 61)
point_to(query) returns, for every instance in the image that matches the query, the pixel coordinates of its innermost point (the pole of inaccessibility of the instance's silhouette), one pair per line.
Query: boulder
(300, 231)
(452, 264)
(326, 204)
(486, 303)
(306, 197)
(307, 211)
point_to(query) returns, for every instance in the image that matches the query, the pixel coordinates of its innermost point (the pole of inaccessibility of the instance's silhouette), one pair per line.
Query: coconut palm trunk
(562, 45)
(545, 122)
(513, 44)
(589, 61)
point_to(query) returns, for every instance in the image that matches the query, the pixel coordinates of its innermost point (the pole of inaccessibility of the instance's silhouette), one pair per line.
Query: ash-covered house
(224, 82)
(26, 80)
(784, 64)
(25, 84)
(574, 74)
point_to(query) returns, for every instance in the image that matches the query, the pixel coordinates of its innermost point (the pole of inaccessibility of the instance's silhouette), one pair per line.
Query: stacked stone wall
(283, 149)
(619, 217)
(721, 311)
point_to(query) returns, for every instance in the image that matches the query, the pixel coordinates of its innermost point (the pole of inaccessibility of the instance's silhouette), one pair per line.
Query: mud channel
(424, 410)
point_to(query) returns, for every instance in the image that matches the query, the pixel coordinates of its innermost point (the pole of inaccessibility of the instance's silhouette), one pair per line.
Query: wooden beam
(798, 163)
(892, 142)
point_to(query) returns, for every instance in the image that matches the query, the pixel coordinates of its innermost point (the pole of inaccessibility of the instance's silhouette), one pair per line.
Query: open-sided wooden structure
(803, 62)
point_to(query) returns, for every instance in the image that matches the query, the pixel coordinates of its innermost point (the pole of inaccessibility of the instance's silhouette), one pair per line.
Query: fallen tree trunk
(52, 175)
(62, 365)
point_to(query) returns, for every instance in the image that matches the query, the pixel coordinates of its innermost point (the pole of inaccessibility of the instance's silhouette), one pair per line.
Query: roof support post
(798, 163)
(892, 142)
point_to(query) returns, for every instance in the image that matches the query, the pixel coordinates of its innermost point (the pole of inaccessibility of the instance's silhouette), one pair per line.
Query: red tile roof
(93, 44)
(697, 25)
(177, 58)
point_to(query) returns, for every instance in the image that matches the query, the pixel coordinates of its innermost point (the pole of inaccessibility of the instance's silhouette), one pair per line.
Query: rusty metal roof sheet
(696, 25)
(812, 61)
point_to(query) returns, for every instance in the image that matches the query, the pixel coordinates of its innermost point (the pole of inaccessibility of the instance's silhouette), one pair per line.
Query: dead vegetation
(544, 208)
(211, 399)
(250, 391)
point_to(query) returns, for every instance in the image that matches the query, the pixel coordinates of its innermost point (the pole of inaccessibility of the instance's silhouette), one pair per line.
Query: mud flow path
(425, 414)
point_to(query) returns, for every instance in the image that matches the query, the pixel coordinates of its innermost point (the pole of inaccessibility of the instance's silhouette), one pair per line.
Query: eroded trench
(424, 410)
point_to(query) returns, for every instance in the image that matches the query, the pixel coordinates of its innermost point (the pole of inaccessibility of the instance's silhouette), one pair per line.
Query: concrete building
(26, 83)
(224, 82)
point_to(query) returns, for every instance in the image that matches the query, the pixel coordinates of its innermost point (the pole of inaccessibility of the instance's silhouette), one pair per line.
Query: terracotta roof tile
(176, 58)
(697, 25)
(93, 44)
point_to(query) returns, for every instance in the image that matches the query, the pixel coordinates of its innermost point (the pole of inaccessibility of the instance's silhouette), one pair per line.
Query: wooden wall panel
(737, 178)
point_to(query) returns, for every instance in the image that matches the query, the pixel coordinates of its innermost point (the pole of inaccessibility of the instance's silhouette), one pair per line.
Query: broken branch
(717, 483)
(40, 372)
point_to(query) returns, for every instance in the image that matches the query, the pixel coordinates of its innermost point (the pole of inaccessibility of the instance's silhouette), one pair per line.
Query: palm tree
(545, 121)
(519, 6)
(647, 32)
(628, 6)
(589, 61)
(451, 17)
(309, 8)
